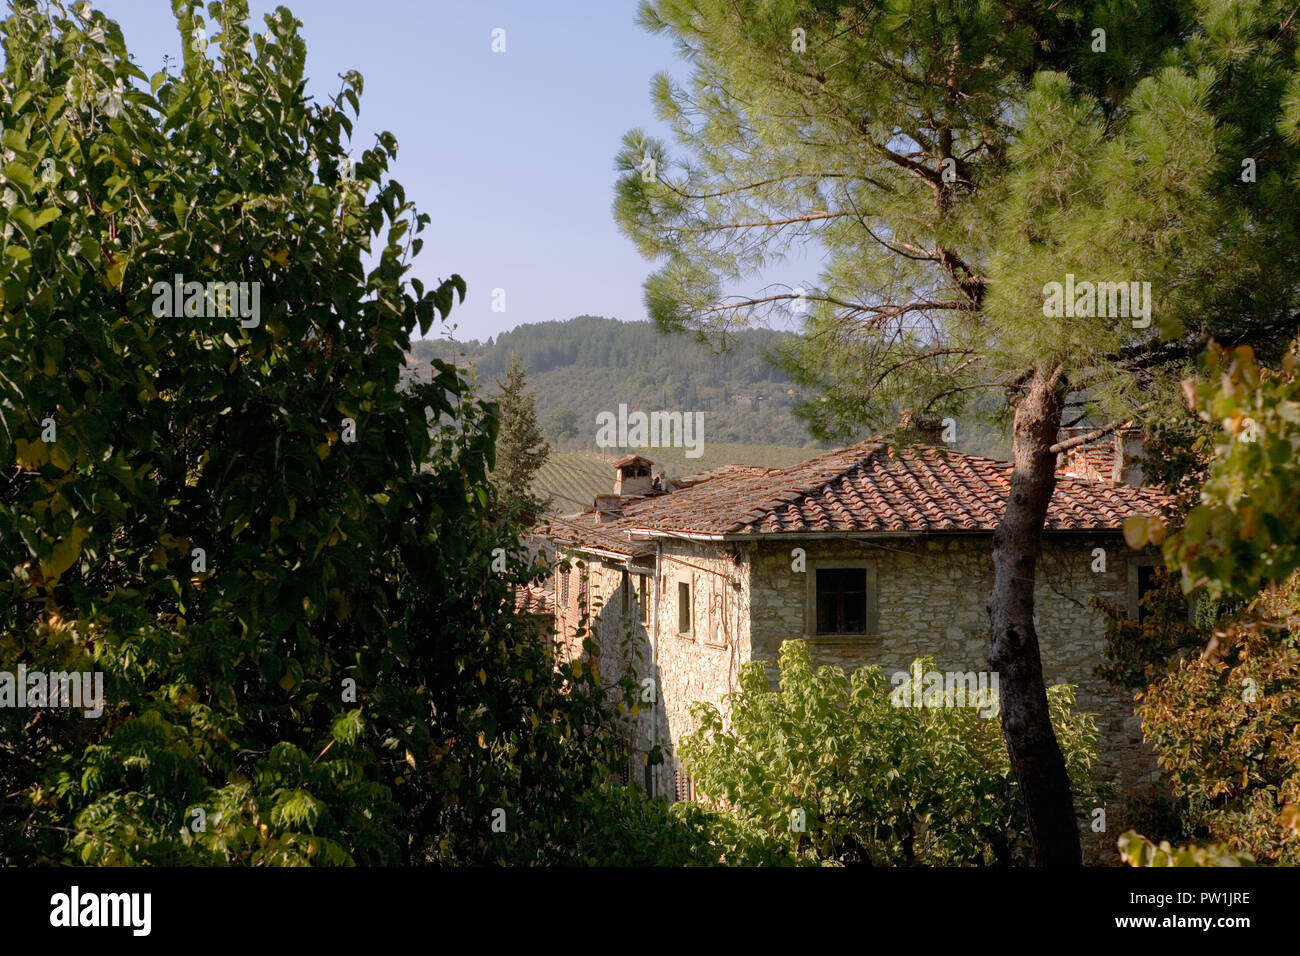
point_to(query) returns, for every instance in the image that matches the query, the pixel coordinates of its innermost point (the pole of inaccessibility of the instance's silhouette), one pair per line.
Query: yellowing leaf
(323, 451)
(1155, 530)
(59, 457)
(1135, 531)
(1249, 523)
(116, 273)
(287, 681)
(32, 455)
(279, 256)
(65, 554)
(482, 676)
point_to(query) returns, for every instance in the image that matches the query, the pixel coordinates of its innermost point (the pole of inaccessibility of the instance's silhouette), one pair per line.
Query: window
(683, 608)
(1141, 580)
(643, 596)
(841, 599)
(625, 588)
(562, 577)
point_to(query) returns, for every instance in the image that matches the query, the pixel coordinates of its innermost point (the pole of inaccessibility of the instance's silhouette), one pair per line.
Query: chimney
(918, 431)
(1128, 457)
(632, 475)
(608, 508)
(1114, 458)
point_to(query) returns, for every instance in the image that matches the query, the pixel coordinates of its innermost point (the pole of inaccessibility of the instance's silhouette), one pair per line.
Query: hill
(586, 365)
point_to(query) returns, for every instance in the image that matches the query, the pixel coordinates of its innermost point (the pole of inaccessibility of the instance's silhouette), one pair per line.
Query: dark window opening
(683, 607)
(643, 596)
(1146, 583)
(841, 600)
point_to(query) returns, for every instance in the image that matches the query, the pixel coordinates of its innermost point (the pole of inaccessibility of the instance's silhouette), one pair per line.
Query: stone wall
(600, 603)
(702, 664)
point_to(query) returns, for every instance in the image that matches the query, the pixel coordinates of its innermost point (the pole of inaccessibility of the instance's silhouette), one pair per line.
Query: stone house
(872, 555)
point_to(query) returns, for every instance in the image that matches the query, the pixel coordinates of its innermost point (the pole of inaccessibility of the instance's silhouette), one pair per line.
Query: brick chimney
(1128, 457)
(608, 508)
(632, 475)
(1115, 458)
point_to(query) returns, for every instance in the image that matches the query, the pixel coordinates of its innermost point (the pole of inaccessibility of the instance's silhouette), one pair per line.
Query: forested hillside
(587, 365)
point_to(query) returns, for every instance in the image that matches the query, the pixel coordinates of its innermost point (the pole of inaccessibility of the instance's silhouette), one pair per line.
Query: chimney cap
(627, 460)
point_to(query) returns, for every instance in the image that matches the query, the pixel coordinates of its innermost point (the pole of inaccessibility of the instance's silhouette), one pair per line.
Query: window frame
(689, 632)
(643, 597)
(1136, 562)
(867, 565)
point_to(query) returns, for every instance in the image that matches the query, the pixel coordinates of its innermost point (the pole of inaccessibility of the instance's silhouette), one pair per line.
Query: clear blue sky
(510, 153)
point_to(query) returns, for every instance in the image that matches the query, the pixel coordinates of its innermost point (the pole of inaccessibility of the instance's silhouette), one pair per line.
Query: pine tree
(951, 160)
(521, 447)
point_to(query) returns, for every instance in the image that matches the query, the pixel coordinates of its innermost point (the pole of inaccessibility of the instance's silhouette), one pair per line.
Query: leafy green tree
(951, 159)
(867, 781)
(1223, 723)
(279, 560)
(521, 448)
(1245, 531)
(1223, 726)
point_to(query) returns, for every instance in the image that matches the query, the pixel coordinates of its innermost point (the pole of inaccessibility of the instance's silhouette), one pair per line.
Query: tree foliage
(951, 159)
(521, 448)
(1223, 723)
(1137, 850)
(1245, 532)
(277, 557)
(875, 783)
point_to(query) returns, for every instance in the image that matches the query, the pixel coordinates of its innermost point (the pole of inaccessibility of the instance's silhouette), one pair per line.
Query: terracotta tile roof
(864, 488)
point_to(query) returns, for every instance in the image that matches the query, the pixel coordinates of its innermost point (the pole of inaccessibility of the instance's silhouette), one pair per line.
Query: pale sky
(510, 153)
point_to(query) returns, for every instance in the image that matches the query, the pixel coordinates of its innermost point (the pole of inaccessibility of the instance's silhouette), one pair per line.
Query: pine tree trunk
(1036, 757)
